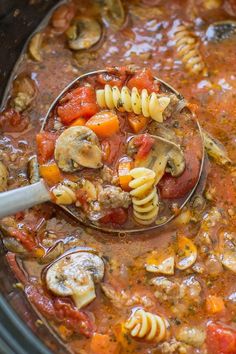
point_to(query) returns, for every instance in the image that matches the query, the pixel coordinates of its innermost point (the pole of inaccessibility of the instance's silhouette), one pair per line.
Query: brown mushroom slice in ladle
(74, 275)
(78, 147)
(165, 156)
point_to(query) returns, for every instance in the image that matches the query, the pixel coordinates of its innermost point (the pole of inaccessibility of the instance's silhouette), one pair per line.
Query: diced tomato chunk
(111, 148)
(81, 102)
(117, 216)
(144, 143)
(62, 17)
(109, 79)
(143, 79)
(178, 187)
(13, 121)
(221, 339)
(25, 238)
(45, 146)
(60, 310)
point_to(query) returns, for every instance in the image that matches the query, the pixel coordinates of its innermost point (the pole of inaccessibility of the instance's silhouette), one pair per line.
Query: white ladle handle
(22, 198)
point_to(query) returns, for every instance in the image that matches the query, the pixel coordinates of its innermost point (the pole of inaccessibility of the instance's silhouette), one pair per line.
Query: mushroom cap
(3, 177)
(164, 156)
(74, 275)
(78, 147)
(84, 33)
(221, 30)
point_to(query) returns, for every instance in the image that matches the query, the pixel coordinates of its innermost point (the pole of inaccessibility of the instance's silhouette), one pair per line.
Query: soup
(168, 290)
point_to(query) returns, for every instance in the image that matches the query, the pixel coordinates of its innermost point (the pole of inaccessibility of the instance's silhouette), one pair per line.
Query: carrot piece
(137, 123)
(124, 176)
(50, 173)
(78, 122)
(104, 344)
(104, 124)
(214, 304)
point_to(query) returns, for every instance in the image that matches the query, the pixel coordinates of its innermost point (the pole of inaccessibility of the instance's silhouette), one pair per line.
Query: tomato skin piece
(60, 310)
(82, 197)
(143, 79)
(220, 339)
(13, 121)
(24, 238)
(45, 146)
(111, 148)
(144, 142)
(79, 103)
(109, 79)
(177, 187)
(117, 216)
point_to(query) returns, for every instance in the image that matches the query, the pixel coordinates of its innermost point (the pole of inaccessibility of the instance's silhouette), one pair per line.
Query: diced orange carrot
(50, 173)
(214, 304)
(104, 124)
(124, 176)
(65, 332)
(104, 344)
(39, 252)
(137, 123)
(78, 122)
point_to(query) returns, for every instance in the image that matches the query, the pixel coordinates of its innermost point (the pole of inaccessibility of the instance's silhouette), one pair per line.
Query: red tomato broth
(139, 42)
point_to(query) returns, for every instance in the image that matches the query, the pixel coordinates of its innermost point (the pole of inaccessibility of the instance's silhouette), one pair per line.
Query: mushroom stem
(85, 297)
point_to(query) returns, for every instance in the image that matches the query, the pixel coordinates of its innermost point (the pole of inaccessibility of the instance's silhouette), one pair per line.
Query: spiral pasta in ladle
(125, 100)
(144, 195)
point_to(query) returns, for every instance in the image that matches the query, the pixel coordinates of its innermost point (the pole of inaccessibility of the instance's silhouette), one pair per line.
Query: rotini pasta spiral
(188, 51)
(146, 325)
(125, 100)
(144, 195)
(65, 193)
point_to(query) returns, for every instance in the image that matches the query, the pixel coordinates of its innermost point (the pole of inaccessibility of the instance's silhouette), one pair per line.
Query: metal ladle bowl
(22, 198)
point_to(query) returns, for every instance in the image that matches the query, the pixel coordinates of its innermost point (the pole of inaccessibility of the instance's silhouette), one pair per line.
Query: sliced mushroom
(186, 254)
(33, 170)
(221, 30)
(161, 263)
(83, 33)
(215, 149)
(159, 129)
(13, 245)
(3, 177)
(193, 336)
(24, 92)
(228, 259)
(114, 13)
(227, 250)
(74, 275)
(165, 156)
(35, 45)
(53, 253)
(78, 147)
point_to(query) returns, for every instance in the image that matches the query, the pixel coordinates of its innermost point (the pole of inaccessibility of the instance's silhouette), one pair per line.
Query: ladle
(22, 198)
